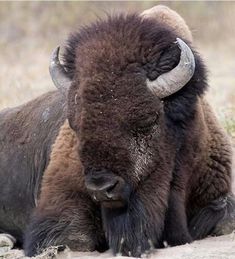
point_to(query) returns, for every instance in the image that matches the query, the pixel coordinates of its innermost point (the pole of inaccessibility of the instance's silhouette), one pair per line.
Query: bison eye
(145, 129)
(145, 126)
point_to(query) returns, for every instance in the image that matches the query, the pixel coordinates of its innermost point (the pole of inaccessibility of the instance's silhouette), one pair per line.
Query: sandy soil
(222, 247)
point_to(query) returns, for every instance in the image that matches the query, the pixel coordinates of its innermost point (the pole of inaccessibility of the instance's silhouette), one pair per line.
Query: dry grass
(221, 94)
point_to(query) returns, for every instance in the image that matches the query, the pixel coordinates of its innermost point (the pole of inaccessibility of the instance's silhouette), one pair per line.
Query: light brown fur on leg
(65, 214)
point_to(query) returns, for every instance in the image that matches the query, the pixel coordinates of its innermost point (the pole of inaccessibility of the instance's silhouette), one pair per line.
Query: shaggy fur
(171, 153)
(26, 135)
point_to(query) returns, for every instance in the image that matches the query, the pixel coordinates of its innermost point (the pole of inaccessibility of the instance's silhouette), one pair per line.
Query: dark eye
(145, 126)
(145, 129)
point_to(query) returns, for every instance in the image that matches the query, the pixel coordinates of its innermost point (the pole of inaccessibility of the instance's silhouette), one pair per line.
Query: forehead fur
(123, 51)
(115, 43)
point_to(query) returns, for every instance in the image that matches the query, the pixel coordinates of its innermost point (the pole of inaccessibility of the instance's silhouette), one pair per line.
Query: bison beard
(137, 228)
(131, 231)
(131, 129)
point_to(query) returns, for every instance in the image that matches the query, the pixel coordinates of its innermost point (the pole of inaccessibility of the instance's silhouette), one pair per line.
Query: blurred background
(30, 30)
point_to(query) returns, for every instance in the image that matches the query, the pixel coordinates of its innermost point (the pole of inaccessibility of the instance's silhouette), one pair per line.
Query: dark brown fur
(26, 135)
(171, 153)
(178, 165)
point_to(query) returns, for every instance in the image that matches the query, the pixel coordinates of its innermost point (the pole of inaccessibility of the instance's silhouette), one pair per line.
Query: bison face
(121, 134)
(121, 72)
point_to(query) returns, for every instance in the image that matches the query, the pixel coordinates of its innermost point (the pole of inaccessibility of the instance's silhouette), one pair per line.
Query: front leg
(65, 215)
(138, 228)
(75, 223)
(176, 229)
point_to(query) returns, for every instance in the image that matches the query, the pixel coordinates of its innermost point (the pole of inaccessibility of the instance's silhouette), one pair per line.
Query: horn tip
(55, 56)
(179, 41)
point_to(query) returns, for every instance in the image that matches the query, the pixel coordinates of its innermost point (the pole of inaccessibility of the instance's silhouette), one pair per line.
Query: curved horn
(58, 73)
(172, 81)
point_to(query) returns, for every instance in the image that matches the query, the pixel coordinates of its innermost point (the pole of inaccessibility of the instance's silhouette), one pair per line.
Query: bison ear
(172, 81)
(58, 73)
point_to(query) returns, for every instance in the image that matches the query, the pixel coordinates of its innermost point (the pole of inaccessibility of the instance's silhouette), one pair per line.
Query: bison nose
(106, 187)
(101, 184)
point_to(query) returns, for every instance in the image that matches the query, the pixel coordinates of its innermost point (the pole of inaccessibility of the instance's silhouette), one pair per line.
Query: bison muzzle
(107, 188)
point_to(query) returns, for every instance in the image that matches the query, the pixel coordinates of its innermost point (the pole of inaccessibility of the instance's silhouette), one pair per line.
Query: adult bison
(138, 156)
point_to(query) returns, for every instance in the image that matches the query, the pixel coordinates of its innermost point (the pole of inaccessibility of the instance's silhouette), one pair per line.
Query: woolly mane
(132, 28)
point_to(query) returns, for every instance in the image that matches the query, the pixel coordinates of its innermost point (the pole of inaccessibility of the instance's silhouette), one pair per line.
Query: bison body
(139, 160)
(26, 135)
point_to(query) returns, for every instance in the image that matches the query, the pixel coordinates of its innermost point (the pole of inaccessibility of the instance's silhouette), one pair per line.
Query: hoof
(225, 227)
(52, 252)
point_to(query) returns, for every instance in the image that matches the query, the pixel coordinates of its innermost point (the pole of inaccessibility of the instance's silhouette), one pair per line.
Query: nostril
(109, 191)
(110, 188)
(101, 184)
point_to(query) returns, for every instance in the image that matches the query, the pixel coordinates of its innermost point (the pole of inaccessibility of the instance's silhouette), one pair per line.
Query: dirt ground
(222, 247)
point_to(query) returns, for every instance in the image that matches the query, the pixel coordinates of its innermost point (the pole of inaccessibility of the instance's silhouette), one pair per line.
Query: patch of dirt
(222, 247)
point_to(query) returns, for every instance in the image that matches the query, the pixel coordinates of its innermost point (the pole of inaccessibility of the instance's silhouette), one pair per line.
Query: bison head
(117, 74)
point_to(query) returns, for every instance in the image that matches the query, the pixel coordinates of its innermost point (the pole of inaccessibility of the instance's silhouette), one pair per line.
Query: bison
(126, 155)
